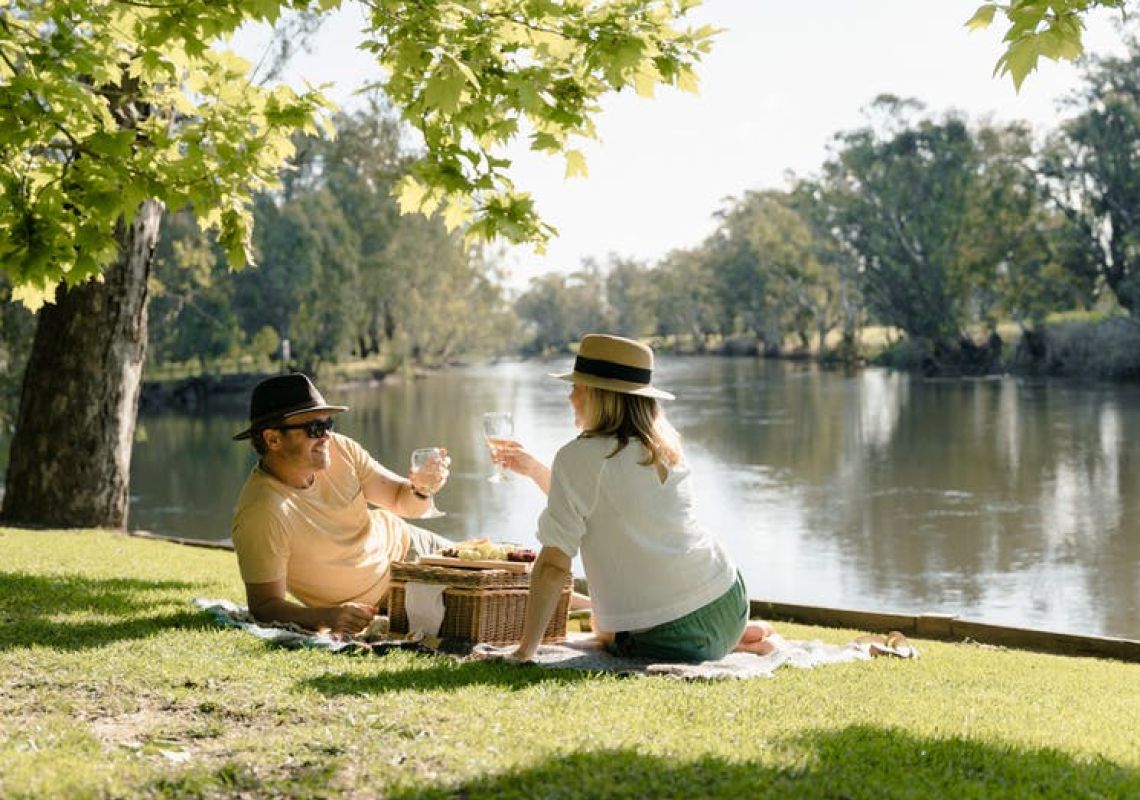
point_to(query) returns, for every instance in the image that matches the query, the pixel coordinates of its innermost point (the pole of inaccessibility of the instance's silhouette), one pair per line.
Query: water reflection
(1002, 500)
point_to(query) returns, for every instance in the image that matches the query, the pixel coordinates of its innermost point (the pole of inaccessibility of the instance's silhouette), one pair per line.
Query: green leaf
(33, 295)
(576, 165)
(545, 141)
(114, 144)
(466, 71)
(457, 213)
(646, 79)
(410, 194)
(982, 18)
(1021, 59)
(687, 81)
(444, 89)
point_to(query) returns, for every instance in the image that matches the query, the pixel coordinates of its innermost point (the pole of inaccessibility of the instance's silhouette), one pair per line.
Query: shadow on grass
(442, 673)
(856, 762)
(28, 604)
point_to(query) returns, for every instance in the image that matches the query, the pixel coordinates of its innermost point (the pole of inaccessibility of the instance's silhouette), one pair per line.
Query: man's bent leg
(423, 542)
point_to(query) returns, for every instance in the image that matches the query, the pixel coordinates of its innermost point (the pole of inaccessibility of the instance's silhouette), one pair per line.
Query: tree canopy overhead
(108, 103)
(1037, 29)
(472, 75)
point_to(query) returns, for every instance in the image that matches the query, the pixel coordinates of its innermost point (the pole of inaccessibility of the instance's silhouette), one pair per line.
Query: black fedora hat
(281, 397)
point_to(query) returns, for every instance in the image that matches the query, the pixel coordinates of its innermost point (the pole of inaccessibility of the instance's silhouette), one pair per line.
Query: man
(303, 525)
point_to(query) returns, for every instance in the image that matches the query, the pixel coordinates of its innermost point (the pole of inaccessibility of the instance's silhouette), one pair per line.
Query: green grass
(112, 685)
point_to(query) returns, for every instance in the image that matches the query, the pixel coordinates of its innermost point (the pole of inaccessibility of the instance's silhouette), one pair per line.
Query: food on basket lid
(485, 550)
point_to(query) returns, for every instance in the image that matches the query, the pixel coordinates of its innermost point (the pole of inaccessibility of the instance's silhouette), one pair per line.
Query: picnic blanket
(578, 652)
(286, 634)
(584, 653)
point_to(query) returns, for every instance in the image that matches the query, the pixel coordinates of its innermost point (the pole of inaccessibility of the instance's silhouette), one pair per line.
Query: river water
(1003, 500)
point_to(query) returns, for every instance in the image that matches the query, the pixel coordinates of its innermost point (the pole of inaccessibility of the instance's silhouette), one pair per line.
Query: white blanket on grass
(582, 652)
(579, 652)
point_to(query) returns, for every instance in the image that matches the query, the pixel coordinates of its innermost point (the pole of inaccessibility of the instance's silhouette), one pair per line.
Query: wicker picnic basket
(480, 605)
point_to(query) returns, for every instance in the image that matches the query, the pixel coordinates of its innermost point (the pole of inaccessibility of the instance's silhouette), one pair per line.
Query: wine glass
(420, 459)
(498, 427)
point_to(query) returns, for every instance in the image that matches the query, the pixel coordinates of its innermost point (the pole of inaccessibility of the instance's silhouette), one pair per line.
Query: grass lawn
(113, 685)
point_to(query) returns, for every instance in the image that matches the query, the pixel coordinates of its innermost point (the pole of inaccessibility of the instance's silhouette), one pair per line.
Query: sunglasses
(314, 429)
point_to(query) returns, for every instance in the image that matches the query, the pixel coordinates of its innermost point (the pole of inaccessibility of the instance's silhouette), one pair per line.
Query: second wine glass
(498, 428)
(420, 459)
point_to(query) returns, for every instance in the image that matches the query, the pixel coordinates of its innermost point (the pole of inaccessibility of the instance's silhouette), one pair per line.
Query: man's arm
(395, 493)
(267, 603)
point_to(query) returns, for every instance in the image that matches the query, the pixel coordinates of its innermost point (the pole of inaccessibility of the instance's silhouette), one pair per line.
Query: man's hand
(431, 477)
(268, 603)
(350, 618)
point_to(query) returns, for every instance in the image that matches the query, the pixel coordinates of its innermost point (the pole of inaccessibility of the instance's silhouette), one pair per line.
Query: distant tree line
(933, 225)
(340, 273)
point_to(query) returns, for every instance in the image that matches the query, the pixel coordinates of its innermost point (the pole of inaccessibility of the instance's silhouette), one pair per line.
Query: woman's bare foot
(760, 638)
(761, 648)
(604, 638)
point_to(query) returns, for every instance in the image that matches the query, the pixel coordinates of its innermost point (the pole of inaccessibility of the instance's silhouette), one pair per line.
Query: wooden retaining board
(949, 627)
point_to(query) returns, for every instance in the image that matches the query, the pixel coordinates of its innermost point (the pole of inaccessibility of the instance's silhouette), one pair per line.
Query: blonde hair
(630, 416)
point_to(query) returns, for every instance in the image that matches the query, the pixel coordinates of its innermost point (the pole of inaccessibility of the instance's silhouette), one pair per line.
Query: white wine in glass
(420, 459)
(498, 428)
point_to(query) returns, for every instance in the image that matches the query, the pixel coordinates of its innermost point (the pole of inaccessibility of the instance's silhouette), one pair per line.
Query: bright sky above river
(782, 79)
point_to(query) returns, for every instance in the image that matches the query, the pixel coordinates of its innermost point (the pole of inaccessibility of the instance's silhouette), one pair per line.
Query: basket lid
(453, 576)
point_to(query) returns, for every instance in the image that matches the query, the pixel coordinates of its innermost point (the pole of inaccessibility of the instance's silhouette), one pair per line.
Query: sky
(782, 79)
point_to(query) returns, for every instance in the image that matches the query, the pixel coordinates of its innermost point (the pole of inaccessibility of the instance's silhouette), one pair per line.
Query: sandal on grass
(893, 644)
(901, 646)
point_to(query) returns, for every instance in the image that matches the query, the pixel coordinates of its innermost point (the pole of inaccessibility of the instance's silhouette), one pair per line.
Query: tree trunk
(71, 453)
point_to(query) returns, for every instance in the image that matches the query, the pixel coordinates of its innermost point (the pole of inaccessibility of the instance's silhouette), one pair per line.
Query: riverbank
(112, 685)
(1080, 347)
(180, 390)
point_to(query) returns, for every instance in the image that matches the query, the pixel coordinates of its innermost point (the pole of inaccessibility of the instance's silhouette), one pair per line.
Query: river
(1004, 500)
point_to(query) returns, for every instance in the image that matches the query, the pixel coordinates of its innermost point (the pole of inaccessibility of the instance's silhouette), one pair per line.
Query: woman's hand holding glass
(513, 456)
(430, 470)
(498, 428)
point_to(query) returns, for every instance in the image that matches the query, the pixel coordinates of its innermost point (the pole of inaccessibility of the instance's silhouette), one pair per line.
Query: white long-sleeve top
(647, 559)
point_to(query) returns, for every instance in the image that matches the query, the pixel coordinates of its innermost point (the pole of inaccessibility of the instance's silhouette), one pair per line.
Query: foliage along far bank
(1087, 346)
(947, 230)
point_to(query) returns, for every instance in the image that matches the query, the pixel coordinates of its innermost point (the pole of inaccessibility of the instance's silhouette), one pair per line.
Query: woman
(660, 585)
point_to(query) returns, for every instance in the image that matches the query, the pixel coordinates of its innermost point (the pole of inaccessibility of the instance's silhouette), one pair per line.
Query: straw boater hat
(611, 362)
(280, 397)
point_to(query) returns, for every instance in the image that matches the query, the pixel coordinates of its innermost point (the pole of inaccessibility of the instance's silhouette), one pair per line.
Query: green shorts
(707, 634)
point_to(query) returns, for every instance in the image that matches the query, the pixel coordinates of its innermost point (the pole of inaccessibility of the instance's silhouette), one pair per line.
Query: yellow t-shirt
(325, 541)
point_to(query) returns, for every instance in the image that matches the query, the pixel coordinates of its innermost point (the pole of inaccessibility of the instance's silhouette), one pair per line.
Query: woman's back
(646, 557)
